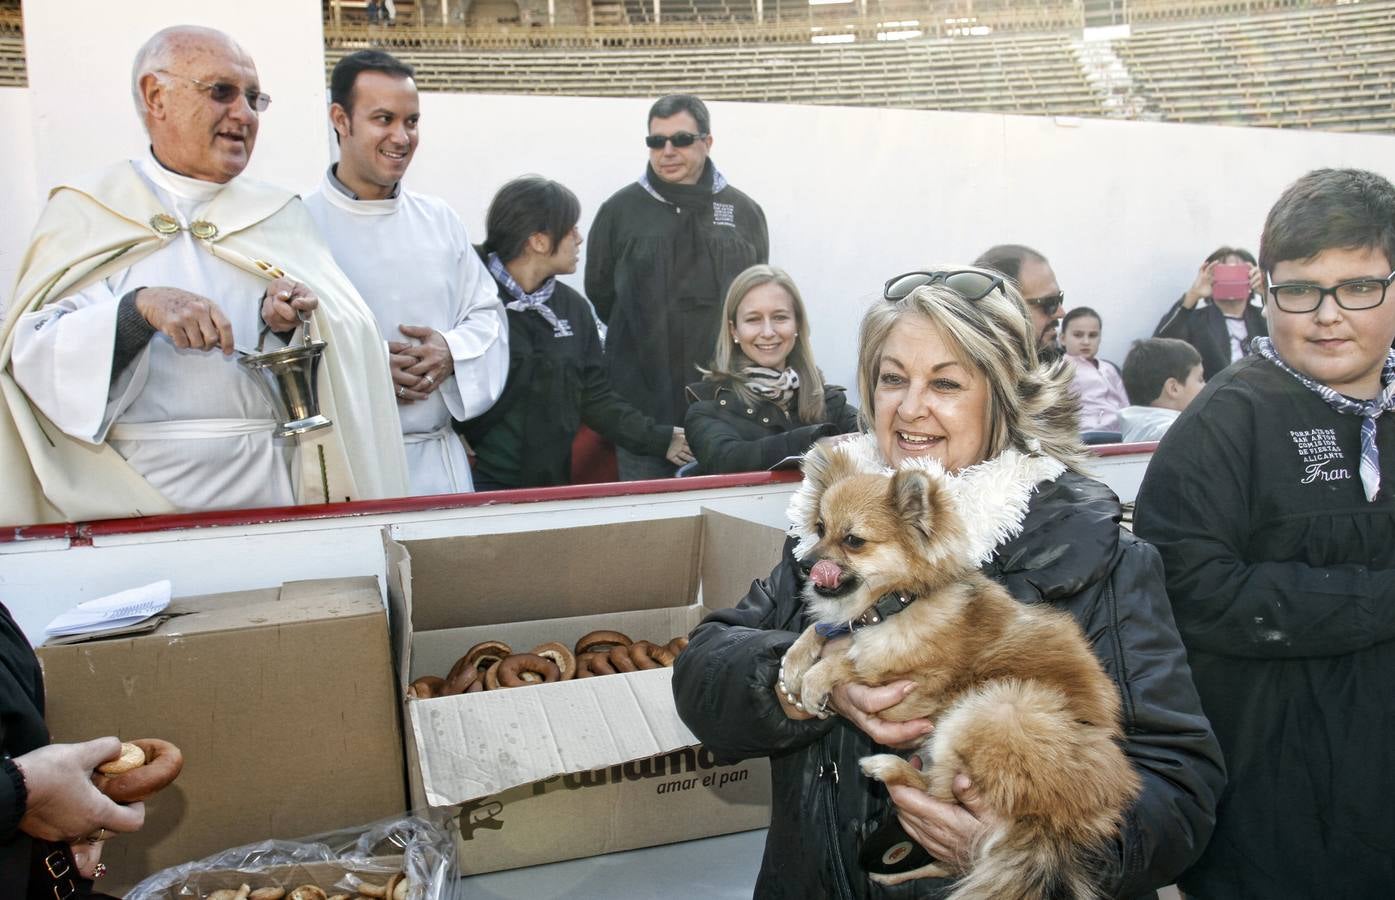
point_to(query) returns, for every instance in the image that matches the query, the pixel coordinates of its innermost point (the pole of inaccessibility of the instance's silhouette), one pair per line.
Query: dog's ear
(824, 467)
(916, 497)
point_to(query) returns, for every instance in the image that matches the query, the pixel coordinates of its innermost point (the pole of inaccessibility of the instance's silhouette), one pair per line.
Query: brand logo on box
(487, 813)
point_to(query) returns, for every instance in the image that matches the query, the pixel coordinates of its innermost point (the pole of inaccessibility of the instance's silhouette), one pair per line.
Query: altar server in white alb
(122, 394)
(409, 256)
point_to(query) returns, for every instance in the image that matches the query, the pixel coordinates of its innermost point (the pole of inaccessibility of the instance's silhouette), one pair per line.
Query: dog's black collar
(885, 607)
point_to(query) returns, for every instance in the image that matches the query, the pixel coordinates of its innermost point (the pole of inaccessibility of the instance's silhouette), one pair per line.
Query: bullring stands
(1330, 68)
(1035, 73)
(1310, 65)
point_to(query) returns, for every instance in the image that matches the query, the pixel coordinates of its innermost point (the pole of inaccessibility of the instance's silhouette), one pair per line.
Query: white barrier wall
(1124, 210)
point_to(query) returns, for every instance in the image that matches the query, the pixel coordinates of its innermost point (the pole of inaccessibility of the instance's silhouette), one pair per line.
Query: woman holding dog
(948, 371)
(763, 398)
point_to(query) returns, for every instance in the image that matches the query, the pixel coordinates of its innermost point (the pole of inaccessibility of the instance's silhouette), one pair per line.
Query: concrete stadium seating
(1331, 69)
(1328, 67)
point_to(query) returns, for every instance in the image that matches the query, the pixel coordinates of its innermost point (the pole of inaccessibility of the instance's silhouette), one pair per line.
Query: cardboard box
(576, 768)
(282, 701)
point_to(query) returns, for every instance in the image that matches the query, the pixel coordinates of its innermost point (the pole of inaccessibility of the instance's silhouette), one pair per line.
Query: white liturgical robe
(179, 430)
(191, 422)
(411, 261)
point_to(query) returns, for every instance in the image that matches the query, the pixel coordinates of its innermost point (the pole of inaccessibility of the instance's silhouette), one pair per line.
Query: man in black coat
(663, 251)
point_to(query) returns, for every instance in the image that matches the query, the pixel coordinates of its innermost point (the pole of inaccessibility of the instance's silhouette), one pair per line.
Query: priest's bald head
(199, 97)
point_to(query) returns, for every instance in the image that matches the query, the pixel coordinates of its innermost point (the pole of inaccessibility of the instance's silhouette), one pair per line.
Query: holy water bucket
(287, 378)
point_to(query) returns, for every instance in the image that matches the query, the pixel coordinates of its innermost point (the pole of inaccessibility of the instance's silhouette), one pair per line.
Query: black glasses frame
(1323, 292)
(1048, 304)
(680, 139)
(225, 93)
(895, 289)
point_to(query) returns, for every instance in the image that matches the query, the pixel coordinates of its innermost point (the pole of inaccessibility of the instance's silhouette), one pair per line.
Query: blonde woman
(763, 398)
(948, 372)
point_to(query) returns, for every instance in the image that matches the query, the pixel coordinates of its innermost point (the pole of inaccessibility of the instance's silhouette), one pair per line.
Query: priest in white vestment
(118, 367)
(410, 258)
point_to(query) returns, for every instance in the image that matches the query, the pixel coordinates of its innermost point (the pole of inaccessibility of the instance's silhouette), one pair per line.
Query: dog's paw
(881, 766)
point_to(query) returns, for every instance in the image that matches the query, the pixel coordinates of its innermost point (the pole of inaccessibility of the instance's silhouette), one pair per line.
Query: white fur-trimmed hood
(991, 497)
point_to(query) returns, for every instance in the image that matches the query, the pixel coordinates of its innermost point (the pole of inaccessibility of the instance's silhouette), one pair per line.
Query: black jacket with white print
(1282, 579)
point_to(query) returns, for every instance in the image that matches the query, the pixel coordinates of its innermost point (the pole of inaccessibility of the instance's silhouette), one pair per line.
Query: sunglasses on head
(967, 283)
(678, 139)
(1048, 304)
(226, 94)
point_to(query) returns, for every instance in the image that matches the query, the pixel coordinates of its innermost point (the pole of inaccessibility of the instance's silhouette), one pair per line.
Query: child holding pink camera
(1097, 381)
(1221, 312)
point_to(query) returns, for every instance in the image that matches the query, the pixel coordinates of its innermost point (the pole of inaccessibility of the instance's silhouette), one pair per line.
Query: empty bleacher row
(12, 71)
(1330, 69)
(1029, 74)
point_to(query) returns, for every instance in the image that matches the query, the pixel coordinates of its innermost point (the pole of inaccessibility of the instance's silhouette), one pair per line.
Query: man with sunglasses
(142, 286)
(1272, 502)
(1037, 282)
(661, 254)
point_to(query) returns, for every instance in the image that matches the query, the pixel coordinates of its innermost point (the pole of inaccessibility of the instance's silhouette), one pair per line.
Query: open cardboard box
(281, 699)
(575, 768)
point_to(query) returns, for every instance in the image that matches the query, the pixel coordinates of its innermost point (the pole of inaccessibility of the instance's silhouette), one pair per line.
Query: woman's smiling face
(928, 403)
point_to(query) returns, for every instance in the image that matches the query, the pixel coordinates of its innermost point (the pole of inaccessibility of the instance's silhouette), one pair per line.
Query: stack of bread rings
(492, 665)
(398, 887)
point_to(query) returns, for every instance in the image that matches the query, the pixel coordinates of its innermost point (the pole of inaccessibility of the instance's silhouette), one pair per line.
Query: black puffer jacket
(1071, 554)
(727, 435)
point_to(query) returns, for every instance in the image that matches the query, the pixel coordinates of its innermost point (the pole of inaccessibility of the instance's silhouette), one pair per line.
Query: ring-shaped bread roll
(593, 664)
(132, 757)
(524, 668)
(476, 686)
(601, 640)
(619, 657)
(678, 645)
(268, 893)
(560, 655)
(648, 655)
(487, 653)
(426, 687)
(461, 676)
(306, 892)
(491, 677)
(162, 764)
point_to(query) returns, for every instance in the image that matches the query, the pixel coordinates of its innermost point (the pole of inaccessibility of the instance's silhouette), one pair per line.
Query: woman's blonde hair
(728, 360)
(1030, 405)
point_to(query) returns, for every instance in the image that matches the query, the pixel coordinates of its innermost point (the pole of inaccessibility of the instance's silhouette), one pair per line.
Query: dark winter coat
(1204, 328)
(657, 271)
(554, 385)
(729, 435)
(1071, 554)
(1282, 577)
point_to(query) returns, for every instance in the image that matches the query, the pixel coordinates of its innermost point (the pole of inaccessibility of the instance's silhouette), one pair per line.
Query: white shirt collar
(337, 194)
(181, 186)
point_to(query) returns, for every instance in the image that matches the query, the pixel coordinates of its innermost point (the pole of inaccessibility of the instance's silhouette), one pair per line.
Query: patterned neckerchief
(522, 302)
(1368, 410)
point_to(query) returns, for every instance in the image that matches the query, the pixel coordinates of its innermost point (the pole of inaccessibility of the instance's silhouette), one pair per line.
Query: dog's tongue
(826, 573)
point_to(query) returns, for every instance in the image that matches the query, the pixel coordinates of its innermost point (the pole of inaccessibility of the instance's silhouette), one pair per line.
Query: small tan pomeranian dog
(1019, 702)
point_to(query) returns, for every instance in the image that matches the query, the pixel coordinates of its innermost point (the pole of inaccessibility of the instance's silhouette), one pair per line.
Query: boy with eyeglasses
(661, 254)
(1272, 502)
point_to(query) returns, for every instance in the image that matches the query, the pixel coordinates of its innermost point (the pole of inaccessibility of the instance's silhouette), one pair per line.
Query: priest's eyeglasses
(226, 94)
(1359, 293)
(967, 283)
